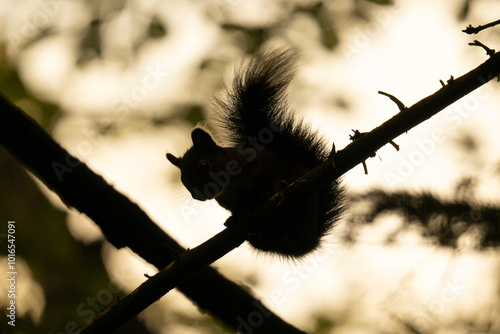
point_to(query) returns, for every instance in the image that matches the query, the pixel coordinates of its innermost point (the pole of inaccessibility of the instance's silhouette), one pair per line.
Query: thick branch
(339, 163)
(122, 221)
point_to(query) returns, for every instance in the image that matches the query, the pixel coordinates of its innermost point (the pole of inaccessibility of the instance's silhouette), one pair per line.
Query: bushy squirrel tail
(256, 107)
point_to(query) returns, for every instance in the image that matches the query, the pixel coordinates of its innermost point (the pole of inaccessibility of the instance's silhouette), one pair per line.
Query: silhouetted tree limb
(339, 163)
(489, 51)
(474, 30)
(122, 221)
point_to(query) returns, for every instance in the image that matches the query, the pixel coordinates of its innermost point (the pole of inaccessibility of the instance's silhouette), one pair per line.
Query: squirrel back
(269, 149)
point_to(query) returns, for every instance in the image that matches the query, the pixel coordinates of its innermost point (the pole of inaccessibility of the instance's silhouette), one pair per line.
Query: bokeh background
(120, 82)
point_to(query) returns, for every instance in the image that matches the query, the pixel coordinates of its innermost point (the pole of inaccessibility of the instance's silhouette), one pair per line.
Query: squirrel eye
(204, 166)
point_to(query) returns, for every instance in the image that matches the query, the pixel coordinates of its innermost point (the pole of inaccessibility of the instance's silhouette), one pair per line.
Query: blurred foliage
(11, 86)
(444, 221)
(254, 37)
(90, 44)
(382, 2)
(328, 34)
(464, 11)
(157, 29)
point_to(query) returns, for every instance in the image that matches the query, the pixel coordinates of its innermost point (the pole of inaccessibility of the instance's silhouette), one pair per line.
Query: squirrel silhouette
(268, 149)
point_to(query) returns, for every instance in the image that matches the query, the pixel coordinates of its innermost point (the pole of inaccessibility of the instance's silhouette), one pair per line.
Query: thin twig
(396, 146)
(357, 134)
(489, 52)
(394, 99)
(474, 30)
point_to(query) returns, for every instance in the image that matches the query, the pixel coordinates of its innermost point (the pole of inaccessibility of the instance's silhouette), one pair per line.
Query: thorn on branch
(394, 99)
(365, 168)
(396, 146)
(357, 135)
(450, 81)
(489, 52)
(147, 275)
(474, 30)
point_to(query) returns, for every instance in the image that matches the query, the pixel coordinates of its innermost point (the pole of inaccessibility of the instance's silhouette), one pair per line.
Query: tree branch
(489, 52)
(474, 30)
(122, 221)
(339, 163)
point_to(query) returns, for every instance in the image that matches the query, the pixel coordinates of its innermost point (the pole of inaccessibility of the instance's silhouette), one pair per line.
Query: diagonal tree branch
(167, 279)
(358, 151)
(122, 221)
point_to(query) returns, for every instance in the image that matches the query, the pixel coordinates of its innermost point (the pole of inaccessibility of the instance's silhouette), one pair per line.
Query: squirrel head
(201, 166)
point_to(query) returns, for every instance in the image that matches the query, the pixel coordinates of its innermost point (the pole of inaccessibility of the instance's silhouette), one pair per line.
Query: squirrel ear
(202, 139)
(174, 160)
